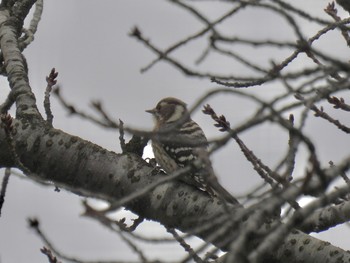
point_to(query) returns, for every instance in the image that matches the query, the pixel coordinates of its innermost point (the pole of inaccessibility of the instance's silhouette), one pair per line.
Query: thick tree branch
(90, 170)
(16, 66)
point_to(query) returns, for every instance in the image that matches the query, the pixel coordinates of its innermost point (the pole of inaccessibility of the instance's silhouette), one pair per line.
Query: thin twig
(338, 103)
(262, 169)
(332, 11)
(33, 26)
(319, 112)
(74, 111)
(52, 259)
(121, 136)
(4, 184)
(186, 246)
(35, 225)
(51, 81)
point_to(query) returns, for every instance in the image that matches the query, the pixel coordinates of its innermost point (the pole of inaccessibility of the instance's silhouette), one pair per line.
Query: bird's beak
(152, 111)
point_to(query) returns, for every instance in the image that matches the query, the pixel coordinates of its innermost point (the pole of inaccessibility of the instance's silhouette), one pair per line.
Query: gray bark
(87, 169)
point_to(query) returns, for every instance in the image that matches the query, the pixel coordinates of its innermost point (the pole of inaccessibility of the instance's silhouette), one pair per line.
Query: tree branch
(90, 170)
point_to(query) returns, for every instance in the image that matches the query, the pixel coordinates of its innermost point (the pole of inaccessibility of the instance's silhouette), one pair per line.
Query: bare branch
(50, 256)
(5, 181)
(186, 246)
(51, 81)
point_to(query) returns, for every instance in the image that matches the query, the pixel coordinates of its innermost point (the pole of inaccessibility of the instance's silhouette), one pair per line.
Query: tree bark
(87, 169)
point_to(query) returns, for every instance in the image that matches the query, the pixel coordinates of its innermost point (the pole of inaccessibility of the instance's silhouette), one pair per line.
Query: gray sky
(88, 44)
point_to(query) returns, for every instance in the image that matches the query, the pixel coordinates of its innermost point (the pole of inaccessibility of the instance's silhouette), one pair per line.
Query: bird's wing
(180, 144)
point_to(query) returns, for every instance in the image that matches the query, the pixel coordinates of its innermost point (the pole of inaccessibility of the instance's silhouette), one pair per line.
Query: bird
(178, 141)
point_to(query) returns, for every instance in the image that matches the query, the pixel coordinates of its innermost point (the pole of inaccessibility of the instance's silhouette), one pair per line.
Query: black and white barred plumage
(178, 141)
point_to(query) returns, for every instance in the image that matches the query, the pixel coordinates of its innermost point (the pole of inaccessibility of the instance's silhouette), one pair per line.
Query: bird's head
(169, 110)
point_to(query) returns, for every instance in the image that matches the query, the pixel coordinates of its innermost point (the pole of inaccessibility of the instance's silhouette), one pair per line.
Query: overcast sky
(87, 42)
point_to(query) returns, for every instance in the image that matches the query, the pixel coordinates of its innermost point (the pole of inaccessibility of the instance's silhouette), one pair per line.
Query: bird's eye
(158, 107)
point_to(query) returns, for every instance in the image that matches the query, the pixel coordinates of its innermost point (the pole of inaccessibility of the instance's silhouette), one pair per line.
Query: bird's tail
(222, 193)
